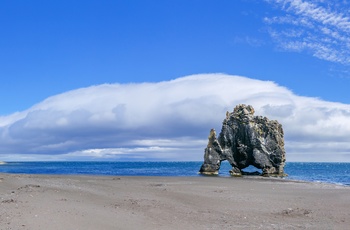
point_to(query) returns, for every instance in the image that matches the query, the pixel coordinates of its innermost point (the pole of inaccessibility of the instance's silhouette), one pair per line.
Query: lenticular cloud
(168, 120)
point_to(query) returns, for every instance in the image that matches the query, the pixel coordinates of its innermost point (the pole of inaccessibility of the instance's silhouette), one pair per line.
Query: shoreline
(296, 171)
(32, 201)
(248, 177)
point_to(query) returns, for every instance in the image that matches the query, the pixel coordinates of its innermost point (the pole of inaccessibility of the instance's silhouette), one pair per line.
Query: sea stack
(246, 140)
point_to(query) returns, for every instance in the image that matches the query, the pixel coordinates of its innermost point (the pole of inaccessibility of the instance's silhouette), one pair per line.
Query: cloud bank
(168, 120)
(321, 28)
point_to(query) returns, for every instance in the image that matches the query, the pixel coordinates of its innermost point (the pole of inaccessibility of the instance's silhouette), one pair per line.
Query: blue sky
(62, 48)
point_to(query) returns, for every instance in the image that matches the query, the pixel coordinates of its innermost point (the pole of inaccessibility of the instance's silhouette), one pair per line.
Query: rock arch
(246, 140)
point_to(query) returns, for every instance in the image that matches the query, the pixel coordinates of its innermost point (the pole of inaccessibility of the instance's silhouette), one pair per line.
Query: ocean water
(337, 173)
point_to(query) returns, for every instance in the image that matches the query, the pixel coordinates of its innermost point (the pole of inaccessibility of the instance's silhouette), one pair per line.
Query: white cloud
(251, 41)
(318, 27)
(168, 120)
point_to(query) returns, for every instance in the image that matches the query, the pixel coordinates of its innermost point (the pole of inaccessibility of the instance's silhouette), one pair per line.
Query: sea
(335, 173)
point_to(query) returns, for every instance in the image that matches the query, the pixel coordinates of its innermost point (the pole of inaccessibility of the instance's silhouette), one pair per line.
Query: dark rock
(212, 155)
(246, 140)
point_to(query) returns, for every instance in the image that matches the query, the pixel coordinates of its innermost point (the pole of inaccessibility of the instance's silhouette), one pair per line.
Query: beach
(113, 202)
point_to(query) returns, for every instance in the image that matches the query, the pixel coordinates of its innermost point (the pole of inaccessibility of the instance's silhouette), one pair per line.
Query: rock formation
(246, 140)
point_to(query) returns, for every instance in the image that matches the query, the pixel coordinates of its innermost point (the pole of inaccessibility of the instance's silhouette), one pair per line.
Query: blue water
(337, 173)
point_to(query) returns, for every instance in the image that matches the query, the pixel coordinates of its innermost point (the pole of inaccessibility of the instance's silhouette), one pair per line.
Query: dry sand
(97, 203)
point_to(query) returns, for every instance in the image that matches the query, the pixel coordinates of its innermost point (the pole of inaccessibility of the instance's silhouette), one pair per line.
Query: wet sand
(92, 202)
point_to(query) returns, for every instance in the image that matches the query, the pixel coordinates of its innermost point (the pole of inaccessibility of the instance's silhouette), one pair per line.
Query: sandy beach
(92, 202)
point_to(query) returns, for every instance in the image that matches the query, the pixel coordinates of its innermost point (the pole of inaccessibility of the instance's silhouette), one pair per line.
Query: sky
(147, 80)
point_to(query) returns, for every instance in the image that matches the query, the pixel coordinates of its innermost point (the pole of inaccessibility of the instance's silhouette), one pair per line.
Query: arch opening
(251, 170)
